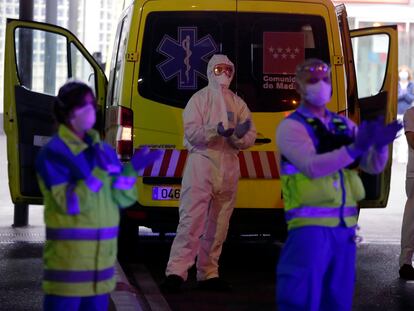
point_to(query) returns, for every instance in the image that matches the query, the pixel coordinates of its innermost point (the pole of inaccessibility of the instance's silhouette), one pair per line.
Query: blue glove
(363, 139)
(222, 132)
(104, 161)
(386, 134)
(100, 156)
(242, 128)
(93, 183)
(144, 157)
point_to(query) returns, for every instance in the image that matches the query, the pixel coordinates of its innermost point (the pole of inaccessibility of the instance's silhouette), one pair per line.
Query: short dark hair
(70, 96)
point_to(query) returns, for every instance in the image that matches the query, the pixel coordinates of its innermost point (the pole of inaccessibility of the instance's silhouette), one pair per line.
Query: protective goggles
(315, 68)
(220, 68)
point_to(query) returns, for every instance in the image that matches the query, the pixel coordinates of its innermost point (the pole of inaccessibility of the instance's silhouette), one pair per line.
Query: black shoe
(407, 272)
(214, 284)
(172, 284)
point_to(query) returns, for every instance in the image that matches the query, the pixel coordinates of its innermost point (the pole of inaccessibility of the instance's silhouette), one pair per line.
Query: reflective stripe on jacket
(324, 201)
(83, 185)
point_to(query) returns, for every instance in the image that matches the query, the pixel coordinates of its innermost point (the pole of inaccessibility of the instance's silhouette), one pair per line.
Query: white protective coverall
(407, 229)
(210, 177)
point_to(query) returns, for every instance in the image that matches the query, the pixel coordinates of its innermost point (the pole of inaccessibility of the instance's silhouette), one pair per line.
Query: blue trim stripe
(288, 169)
(93, 183)
(113, 169)
(90, 234)
(72, 200)
(319, 212)
(78, 276)
(124, 182)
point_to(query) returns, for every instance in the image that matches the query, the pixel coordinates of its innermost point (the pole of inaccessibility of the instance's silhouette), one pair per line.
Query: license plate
(166, 193)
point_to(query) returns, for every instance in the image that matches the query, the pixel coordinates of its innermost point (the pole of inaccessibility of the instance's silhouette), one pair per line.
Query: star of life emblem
(187, 57)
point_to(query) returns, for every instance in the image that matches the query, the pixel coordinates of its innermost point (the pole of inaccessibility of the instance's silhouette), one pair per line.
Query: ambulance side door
(39, 58)
(370, 61)
(375, 55)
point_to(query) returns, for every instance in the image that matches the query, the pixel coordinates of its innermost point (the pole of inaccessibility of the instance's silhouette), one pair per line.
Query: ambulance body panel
(159, 61)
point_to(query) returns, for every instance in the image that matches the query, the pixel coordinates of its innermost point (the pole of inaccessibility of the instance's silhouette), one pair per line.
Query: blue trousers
(63, 303)
(316, 270)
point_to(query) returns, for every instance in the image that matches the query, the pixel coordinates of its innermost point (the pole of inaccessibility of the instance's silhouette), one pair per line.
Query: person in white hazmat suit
(217, 124)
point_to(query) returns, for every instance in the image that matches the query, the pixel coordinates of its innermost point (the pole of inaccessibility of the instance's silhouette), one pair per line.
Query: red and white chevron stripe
(258, 164)
(171, 164)
(253, 164)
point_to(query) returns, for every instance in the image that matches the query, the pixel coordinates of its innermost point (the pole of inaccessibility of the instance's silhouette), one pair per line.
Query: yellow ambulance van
(159, 60)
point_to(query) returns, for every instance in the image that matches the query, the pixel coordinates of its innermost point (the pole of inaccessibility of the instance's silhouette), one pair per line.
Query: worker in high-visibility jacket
(84, 185)
(319, 149)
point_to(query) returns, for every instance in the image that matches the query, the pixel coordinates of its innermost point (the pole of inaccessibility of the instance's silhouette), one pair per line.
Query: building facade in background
(92, 21)
(370, 13)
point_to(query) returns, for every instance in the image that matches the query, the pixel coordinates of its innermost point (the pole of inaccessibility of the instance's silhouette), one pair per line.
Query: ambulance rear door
(39, 58)
(371, 61)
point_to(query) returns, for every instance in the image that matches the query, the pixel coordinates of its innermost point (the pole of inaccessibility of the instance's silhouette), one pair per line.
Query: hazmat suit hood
(215, 60)
(217, 93)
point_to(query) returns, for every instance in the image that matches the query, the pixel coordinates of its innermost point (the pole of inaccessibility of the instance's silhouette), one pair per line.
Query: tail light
(124, 141)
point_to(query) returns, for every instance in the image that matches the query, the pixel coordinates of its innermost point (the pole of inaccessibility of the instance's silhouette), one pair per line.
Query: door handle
(261, 141)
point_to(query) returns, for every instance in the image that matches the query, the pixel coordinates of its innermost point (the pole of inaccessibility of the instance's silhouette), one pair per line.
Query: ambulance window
(80, 68)
(42, 65)
(269, 48)
(175, 52)
(370, 55)
(118, 56)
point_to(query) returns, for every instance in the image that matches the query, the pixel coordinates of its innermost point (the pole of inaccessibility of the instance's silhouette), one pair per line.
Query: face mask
(403, 75)
(318, 94)
(83, 118)
(223, 80)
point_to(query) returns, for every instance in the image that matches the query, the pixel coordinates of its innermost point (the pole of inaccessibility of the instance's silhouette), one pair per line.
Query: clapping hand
(242, 128)
(386, 134)
(224, 132)
(144, 157)
(364, 137)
